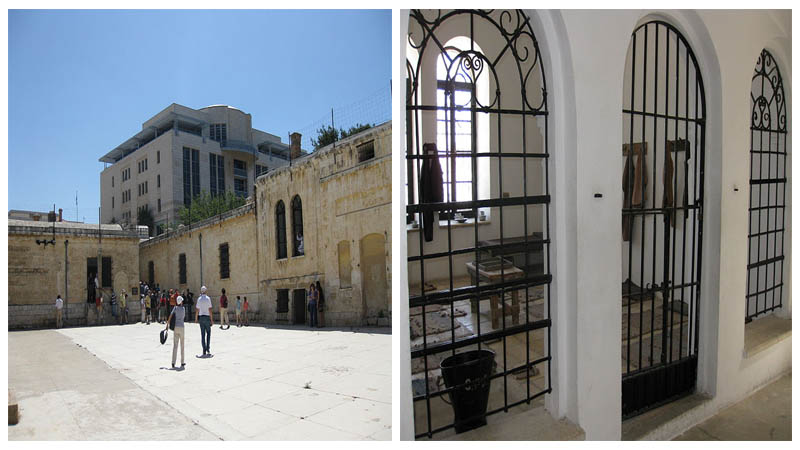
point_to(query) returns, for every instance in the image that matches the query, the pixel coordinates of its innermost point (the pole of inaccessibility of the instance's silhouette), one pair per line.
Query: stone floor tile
(305, 402)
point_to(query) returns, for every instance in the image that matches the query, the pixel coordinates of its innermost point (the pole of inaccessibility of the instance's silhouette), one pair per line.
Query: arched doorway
(663, 156)
(373, 276)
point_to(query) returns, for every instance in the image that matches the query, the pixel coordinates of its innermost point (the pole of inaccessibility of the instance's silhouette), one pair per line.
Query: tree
(328, 134)
(145, 217)
(206, 205)
(357, 128)
(325, 135)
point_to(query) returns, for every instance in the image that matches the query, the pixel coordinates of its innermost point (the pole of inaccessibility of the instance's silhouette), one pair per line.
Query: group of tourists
(156, 303)
(242, 309)
(164, 305)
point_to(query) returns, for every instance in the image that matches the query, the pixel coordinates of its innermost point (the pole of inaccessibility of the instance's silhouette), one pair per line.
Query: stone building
(37, 272)
(615, 223)
(327, 218)
(218, 252)
(181, 152)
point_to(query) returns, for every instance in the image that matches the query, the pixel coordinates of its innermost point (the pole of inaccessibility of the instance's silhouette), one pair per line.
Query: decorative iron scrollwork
(520, 47)
(769, 102)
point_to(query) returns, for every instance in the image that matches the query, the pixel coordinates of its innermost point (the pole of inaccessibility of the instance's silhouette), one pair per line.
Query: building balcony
(237, 146)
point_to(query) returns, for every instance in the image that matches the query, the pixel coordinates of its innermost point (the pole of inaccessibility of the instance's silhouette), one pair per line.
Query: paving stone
(240, 393)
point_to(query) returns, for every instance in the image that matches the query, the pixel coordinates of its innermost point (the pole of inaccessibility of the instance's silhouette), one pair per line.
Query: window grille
(283, 301)
(366, 151)
(475, 271)
(298, 240)
(182, 268)
(224, 266)
(280, 230)
(767, 189)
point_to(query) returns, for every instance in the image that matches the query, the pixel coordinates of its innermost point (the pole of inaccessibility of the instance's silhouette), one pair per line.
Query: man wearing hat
(203, 315)
(180, 313)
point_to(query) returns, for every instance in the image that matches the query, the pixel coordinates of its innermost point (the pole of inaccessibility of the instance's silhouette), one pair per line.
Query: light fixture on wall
(53, 240)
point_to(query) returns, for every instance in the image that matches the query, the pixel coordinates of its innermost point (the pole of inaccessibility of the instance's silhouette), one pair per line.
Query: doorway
(373, 270)
(663, 155)
(299, 306)
(91, 272)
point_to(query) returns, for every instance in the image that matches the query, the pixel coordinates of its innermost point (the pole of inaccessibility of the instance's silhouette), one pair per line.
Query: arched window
(477, 157)
(280, 230)
(461, 131)
(767, 189)
(298, 244)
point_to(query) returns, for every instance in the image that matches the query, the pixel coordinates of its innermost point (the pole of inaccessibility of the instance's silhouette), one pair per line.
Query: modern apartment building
(181, 152)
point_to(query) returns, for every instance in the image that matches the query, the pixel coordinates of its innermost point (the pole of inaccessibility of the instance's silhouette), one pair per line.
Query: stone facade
(200, 244)
(345, 193)
(345, 197)
(37, 272)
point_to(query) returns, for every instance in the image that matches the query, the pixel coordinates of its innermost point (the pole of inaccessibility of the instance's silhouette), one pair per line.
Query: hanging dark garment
(634, 191)
(668, 200)
(431, 189)
(627, 193)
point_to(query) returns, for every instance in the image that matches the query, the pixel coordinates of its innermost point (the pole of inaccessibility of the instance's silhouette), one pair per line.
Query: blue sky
(82, 82)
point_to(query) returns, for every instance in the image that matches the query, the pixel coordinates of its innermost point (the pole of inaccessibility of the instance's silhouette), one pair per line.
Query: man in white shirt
(59, 309)
(203, 315)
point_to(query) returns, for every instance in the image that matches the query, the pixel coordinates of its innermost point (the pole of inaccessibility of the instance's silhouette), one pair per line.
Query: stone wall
(237, 228)
(36, 272)
(344, 200)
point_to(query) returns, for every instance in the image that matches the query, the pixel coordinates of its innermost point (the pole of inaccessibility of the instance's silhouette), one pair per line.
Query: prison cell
(662, 217)
(479, 237)
(767, 189)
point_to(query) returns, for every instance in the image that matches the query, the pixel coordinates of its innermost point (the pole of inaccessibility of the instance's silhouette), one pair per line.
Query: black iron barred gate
(664, 117)
(477, 206)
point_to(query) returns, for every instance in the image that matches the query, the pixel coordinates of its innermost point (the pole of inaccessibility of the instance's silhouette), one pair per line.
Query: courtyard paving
(263, 383)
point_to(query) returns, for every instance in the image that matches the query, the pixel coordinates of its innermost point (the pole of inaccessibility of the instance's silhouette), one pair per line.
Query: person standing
(114, 312)
(321, 305)
(59, 310)
(238, 311)
(153, 306)
(178, 333)
(123, 308)
(223, 310)
(246, 308)
(145, 307)
(162, 310)
(203, 315)
(98, 301)
(312, 305)
(189, 300)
